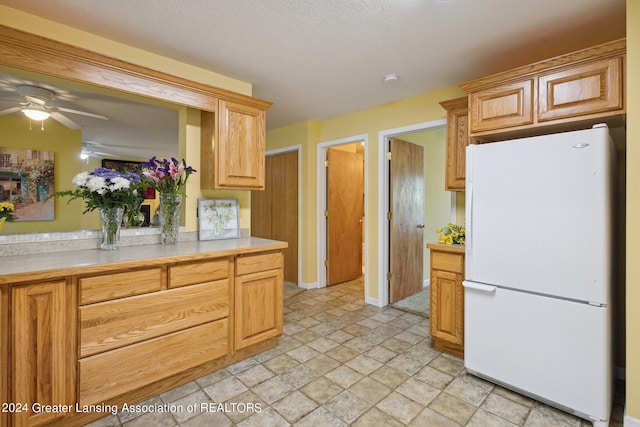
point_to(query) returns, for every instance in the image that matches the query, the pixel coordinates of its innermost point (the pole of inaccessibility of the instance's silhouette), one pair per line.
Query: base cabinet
(446, 295)
(126, 332)
(42, 350)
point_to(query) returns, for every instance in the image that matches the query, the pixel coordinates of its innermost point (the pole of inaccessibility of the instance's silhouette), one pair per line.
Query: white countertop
(39, 263)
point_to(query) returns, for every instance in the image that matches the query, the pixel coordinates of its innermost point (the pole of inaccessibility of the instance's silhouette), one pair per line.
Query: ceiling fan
(37, 104)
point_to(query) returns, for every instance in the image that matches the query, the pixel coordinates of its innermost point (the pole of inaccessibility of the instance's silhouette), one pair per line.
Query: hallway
(341, 362)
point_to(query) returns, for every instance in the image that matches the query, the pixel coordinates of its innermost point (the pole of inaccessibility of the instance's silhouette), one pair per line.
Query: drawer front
(501, 107)
(256, 263)
(110, 374)
(586, 89)
(198, 272)
(113, 324)
(119, 285)
(447, 262)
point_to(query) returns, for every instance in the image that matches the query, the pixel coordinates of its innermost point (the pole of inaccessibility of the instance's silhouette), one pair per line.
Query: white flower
(80, 179)
(119, 183)
(96, 184)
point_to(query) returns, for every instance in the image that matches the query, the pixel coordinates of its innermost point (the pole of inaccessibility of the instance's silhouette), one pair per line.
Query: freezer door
(554, 350)
(537, 214)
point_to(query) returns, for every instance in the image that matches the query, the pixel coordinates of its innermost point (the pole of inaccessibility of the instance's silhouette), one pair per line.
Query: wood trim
(595, 53)
(34, 53)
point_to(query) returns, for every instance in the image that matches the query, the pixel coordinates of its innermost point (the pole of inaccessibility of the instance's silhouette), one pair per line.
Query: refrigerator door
(554, 350)
(537, 214)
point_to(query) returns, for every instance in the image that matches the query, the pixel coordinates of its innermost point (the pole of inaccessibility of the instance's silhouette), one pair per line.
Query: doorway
(361, 144)
(439, 207)
(274, 211)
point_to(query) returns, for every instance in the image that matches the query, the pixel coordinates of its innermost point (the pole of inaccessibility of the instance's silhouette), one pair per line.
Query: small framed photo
(218, 219)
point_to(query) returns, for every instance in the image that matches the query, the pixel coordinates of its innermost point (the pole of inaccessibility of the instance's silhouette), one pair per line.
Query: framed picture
(125, 166)
(218, 219)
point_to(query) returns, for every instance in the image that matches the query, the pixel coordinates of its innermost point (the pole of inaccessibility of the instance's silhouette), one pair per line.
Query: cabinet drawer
(113, 373)
(119, 285)
(112, 324)
(198, 272)
(255, 263)
(501, 107)
(447, 262)
(586, 89)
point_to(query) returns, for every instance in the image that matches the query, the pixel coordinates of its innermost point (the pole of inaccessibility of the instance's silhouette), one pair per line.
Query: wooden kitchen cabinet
(161, 329)
(233, 146)
(258, 298)
(457, 141)
(446, 303)
(570, 91)
(42, 349)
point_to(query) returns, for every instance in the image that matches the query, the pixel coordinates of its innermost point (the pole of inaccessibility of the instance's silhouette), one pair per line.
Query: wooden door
(345, 207)
(406, 228)
(274, 211)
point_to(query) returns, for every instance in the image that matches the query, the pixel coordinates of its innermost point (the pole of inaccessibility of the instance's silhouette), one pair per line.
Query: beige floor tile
(453, 408)
(268, 417)
(294, 406)
(303, 353)
(225, 389)
(323, 344)
(389, 376)
(418, 391)
(321, 390)
(381, 354)
(430, 418)
(320, 417)
(189, 406)
(254, 375)
(470, 389)
(370, 390)
(363, 364)
(433, 376)
(344, 376)
(375, 417)
(322, 364)
(448, 365)
(299, 376)
(347, 406)
(342, 353)
(505, 408)
(483, 418)
(156, 419)
(399, 407)
(280, 364)
(274, 389)
(242, 406)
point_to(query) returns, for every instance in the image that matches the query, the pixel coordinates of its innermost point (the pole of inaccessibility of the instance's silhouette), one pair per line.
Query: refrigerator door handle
(488, 289)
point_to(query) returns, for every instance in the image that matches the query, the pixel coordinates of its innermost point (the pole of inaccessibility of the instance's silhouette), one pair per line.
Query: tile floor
(341, 362)
(416, 303)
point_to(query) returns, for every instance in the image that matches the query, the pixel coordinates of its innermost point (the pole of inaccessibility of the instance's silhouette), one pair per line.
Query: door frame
(294, 148)
(321, 204)
(383, 199)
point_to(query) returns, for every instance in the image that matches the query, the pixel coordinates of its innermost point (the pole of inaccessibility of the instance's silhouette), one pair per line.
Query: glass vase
(111, 220)
(169, 213)
(132, 215)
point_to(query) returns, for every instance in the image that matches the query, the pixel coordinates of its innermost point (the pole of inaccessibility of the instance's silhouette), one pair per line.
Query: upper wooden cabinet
(457, 141)
(584, 86)
(233, 146)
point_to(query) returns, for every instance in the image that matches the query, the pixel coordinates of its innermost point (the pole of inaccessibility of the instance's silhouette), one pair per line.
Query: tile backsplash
(35, 243)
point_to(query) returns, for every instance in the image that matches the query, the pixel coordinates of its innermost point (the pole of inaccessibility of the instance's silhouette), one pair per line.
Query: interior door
(345, 207)
(406, 228)
(274, 211)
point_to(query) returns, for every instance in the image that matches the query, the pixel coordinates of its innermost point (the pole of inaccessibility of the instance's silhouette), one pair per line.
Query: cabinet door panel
(457, 141)
(447, 315)
(587, 89)
(240, 149)
(502, 106)
(42, 350)
(258, 307)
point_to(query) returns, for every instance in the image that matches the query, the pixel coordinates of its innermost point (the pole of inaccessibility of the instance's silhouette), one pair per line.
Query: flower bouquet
(108, 191)
(6, 212)
(451, 234)
(169, 178)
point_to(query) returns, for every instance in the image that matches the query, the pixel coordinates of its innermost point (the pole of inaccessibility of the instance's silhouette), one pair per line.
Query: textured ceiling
(317, 59)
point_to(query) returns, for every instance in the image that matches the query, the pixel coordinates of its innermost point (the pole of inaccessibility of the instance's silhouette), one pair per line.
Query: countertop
(458, 249)
(26, 267)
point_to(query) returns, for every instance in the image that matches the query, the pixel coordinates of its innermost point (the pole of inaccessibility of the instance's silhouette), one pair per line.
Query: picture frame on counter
(218, 219)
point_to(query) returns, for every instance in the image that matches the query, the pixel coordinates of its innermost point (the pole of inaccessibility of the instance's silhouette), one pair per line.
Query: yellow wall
(66, 145)
(409, 111)
(633, 210)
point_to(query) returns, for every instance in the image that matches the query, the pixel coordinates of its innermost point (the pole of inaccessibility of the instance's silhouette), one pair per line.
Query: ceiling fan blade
(13, 101)
(65, 120)
(82, 113)
(10, 110)
(35, 100)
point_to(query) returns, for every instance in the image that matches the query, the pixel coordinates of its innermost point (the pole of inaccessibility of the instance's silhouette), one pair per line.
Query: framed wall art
(218, 219)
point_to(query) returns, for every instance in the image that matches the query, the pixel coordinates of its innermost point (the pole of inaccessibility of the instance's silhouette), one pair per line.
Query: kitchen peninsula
(92, 328)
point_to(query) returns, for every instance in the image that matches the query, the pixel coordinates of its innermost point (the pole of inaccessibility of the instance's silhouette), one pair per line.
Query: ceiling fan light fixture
(35, 114)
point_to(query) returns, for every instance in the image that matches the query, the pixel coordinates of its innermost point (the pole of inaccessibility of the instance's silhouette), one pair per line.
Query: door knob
(420, 225)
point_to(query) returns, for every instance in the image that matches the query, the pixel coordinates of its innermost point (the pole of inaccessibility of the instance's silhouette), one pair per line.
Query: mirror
(135, 129)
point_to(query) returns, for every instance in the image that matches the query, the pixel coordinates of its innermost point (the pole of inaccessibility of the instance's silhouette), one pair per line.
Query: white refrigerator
(538, 268)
